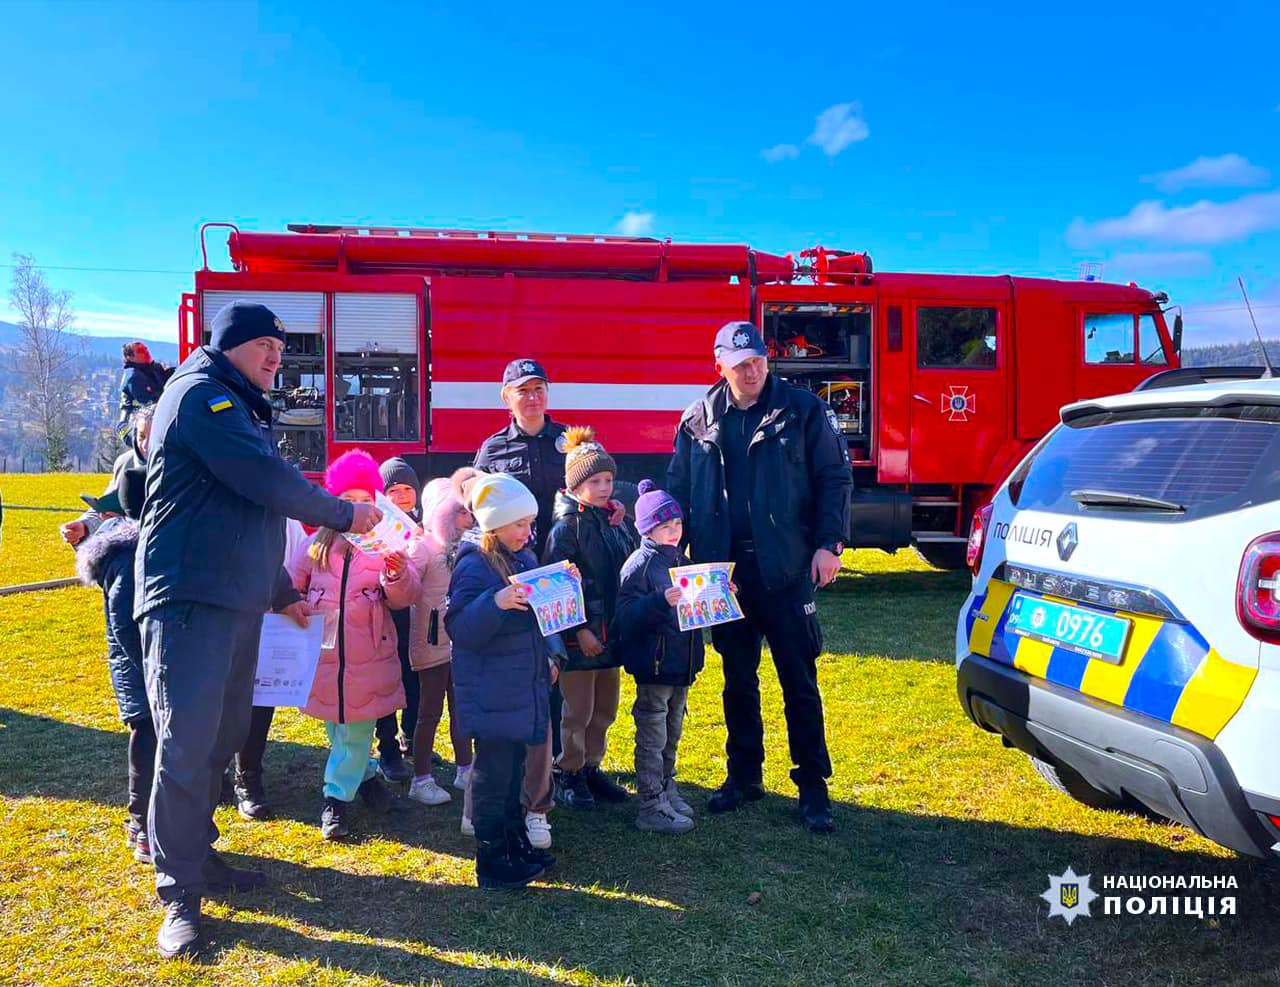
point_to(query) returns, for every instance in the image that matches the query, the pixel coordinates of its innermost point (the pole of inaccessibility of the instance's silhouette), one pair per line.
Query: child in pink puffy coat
(358, 678)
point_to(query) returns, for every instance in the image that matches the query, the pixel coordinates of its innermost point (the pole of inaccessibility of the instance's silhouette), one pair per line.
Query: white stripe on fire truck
(459, 395)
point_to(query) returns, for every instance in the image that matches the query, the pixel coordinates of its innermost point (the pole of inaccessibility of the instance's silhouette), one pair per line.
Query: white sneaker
(460, 779)
(467, 828)
(539, 830)
(428, 792)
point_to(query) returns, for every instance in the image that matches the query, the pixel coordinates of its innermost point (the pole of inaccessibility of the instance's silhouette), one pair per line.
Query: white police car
(1124, 625)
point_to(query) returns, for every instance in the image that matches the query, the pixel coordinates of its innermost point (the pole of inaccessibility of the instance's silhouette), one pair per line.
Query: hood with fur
(116, 535)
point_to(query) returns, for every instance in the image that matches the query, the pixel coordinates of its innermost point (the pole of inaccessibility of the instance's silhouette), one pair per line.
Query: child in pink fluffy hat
(358, 676)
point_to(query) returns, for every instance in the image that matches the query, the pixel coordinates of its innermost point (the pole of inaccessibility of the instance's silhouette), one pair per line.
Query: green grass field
(946, 841)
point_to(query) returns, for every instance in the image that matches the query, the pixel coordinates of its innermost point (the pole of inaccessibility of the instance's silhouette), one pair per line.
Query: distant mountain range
(100, 346)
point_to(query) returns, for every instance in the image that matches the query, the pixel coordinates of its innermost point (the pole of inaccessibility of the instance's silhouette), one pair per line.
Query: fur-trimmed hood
(116, 535)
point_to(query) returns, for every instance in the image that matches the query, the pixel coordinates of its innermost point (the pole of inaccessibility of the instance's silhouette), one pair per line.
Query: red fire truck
(397, 339)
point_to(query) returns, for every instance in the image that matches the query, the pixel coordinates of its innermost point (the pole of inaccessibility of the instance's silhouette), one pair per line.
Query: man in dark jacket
(764, 479)
(208, 566)
(140, 383)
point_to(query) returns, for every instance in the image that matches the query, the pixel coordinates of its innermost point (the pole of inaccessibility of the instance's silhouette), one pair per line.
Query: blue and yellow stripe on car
(1169, 672)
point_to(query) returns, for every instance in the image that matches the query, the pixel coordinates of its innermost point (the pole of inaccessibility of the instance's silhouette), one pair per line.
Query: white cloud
(636, 224)
(1224, 171)
(780, 152)
(1165, 263)
(1203, 222)
(837, 127)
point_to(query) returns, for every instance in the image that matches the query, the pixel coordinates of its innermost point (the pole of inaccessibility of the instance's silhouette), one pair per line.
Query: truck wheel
(943, 554)
(1069, 782)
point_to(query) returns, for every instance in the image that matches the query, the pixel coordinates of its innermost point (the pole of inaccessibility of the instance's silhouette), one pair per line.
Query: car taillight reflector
(977, 538)
(1258, 588)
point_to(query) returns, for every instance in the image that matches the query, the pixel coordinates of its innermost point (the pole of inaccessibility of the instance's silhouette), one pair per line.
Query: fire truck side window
(1149, 344)
(1109, 338)
(948, 336)
(375, 367)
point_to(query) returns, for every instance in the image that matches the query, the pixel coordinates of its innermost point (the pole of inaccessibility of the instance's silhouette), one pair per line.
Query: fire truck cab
(939, 383)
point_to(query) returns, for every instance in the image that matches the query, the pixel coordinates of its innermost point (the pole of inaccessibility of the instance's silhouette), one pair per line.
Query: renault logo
(1068, 539)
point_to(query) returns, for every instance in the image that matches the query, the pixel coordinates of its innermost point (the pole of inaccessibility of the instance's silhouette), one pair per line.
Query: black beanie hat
(397, 470)
(242, 321)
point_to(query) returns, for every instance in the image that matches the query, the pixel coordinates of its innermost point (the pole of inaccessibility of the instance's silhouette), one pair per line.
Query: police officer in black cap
(764, 478)
(208, 565)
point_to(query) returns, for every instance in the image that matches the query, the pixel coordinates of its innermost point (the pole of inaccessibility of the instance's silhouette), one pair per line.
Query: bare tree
(46, 355)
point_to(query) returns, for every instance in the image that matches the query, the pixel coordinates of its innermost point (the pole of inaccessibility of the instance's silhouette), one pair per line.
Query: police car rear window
(1206, 464)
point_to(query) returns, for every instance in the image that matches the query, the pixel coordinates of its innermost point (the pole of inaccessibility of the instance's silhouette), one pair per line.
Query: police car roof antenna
(1271, 371)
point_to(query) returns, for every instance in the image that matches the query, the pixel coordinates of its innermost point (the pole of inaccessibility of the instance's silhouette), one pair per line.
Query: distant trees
(45, 360)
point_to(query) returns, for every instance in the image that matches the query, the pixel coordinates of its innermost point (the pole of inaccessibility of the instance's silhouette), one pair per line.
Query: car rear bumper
(1170, 770)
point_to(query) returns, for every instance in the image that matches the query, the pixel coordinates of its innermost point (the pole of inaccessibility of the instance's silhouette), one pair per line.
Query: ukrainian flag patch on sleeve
(220, 403)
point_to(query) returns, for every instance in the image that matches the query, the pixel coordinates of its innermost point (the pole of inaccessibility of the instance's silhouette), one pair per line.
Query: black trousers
(496, 775)
(250, 756)
(788, 620)
(385, 729)
(142, 769)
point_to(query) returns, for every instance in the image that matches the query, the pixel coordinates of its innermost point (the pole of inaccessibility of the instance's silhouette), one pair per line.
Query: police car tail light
(1258, 589)
(977, 538)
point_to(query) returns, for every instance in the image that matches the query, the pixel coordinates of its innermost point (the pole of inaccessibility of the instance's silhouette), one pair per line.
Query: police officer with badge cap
(208, 565)
(764, 478)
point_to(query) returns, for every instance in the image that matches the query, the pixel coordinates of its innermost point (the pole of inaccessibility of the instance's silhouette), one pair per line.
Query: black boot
(393, 767)
(251, 797)
(375, 795)
(518, 845)
(574, 790)
(333, 819)
(497, 869)
(220, 877)
(180, 930)
(815, 810)
(602, 787)
(732, 795)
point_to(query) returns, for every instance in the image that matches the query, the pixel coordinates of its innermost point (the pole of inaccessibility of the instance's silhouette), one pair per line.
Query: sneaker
(498, 870)
(392, 766)
(538, 829)
(519, 845)
(428, 792)
(220, 877)
(574, 791)
(376, 795)
(732, 795)
(142, 848)
(468, 829)
(250, 797)
(815, 811)
(460, 777)
(180, 930)
(333, 819)
(604, 788)
(675, 799)
(657, 816)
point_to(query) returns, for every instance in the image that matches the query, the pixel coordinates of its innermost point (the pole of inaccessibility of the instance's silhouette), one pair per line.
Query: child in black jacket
(663, 659)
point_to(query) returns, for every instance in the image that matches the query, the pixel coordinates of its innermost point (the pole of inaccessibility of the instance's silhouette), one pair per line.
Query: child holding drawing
(663, 659)
(358, 675)
(583, 535)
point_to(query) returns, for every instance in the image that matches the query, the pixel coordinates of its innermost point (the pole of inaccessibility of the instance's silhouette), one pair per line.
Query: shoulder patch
(220, 403)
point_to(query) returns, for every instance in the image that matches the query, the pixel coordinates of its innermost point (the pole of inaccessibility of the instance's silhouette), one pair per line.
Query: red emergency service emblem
(958, 404)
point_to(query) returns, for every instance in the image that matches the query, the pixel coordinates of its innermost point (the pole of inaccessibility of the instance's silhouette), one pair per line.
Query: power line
(101, 270)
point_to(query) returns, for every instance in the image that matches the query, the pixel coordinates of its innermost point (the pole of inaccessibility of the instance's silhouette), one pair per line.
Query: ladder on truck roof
(444, 233)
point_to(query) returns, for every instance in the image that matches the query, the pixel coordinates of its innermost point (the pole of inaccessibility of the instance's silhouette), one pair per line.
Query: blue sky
(937, 139)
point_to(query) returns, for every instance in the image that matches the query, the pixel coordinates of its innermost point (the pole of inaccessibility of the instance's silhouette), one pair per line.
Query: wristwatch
(835, 547)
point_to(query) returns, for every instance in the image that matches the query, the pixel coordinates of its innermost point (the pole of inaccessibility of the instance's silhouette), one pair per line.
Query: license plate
(1086, 632)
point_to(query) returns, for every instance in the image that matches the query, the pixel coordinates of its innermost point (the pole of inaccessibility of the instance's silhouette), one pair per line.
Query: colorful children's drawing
(392, 534)
(555, 596)
(706, 597)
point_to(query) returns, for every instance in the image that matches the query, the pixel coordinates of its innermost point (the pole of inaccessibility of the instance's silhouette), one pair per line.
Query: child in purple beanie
(663, 659)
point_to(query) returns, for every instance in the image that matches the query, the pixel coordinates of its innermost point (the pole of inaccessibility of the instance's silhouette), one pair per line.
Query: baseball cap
(518, 371)
(738, 341)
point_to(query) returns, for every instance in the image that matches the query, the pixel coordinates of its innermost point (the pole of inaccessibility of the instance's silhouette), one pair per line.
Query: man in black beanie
(208, 565)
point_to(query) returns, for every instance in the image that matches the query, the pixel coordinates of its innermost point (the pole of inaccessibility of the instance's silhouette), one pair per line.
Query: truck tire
(1069, 782)
(947, 555)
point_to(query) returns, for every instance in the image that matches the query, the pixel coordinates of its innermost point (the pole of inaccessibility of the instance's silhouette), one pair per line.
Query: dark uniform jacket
(501, 662)
(537, 461)
(217, 495)
(647, 636)
(800, 482)
(582, 535)
(140, 385)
